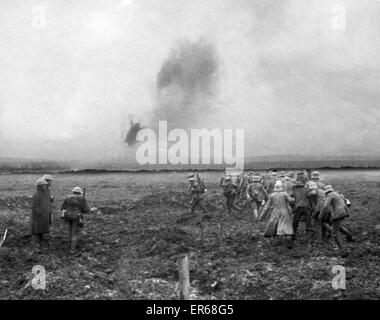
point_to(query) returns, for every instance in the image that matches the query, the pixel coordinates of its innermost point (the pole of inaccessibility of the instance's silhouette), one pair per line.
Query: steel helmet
(77, 190)
(41, 182)
(47, 177)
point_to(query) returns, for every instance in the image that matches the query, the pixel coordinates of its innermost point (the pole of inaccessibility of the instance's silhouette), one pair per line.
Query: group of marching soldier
(287, 200)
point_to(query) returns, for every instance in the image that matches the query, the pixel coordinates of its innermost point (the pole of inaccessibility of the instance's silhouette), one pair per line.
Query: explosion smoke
(186, 86)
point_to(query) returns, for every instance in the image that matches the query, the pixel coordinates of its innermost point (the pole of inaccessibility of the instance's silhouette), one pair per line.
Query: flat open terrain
(132, 252)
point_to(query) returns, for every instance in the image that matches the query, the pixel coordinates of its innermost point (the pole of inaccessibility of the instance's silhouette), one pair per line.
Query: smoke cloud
(186, 87)
(187, 84)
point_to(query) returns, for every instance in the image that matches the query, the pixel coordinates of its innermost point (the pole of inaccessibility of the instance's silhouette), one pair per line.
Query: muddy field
(131, 252)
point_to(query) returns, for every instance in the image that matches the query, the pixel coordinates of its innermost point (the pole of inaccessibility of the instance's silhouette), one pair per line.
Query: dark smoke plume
(185, 89)
(186, 84)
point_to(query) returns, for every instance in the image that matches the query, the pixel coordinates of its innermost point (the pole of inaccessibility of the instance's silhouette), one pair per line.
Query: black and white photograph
(209, 151)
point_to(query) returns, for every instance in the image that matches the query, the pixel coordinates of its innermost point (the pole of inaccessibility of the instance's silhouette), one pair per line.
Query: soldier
(196, 191)
(301, 208)
(269, 187)
(40, 214)
(290, 174)
(301, 177)
(242, 187)
(282, 175)
(280, 222)
(230, 192)
(315, 177)
(335, 206)
(287, 184)
(72, 209)
(256, 195)
(317, 198)
(49, 179)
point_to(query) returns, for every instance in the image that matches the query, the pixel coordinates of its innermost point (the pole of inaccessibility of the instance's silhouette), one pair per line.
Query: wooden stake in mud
(184, 278)
(4, 237)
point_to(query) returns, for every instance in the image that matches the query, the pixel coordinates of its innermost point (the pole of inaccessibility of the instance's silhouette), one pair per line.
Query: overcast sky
(301, 77)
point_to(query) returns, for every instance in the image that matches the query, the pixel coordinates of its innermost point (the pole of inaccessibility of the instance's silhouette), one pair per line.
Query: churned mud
(129, 247)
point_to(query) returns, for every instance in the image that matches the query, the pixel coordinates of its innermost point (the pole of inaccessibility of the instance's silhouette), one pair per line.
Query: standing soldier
(301, 177)
(257, 195)
(72, 208)
(40, 214)
(301, 208)
(196, 191)
(242, 187)
(280, 222)
(49, 179)
(229, 192)
(335, 206)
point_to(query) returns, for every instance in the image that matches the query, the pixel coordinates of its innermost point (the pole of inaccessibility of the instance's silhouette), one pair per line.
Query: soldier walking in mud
(40, 214)
(256, 194)
(242, 184)
(337, 210)
(196, 190)
(230, 192)
(317, 198)
(280, 222)
(72, 209)
(301, 208)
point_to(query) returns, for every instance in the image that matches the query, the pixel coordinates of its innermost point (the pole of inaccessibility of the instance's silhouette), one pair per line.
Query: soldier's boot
(348, 234)
(36, 243)
(289, 242)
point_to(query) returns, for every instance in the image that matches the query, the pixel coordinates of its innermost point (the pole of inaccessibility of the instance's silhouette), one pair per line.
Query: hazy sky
(299, 76)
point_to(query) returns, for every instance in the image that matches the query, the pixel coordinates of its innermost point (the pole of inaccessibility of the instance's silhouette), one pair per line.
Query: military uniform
(301, 207)
(318, 198)
(196, 192)
(40, 220)
(257, 195)
(73, 207)
(336, 207)
(230, 192)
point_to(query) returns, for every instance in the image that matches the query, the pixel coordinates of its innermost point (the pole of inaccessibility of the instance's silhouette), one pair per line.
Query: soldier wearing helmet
(315, 177)
(49, 179)
(196, 189)
(230, 193)
(72, 209)
(256, 195)
(40, 214)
